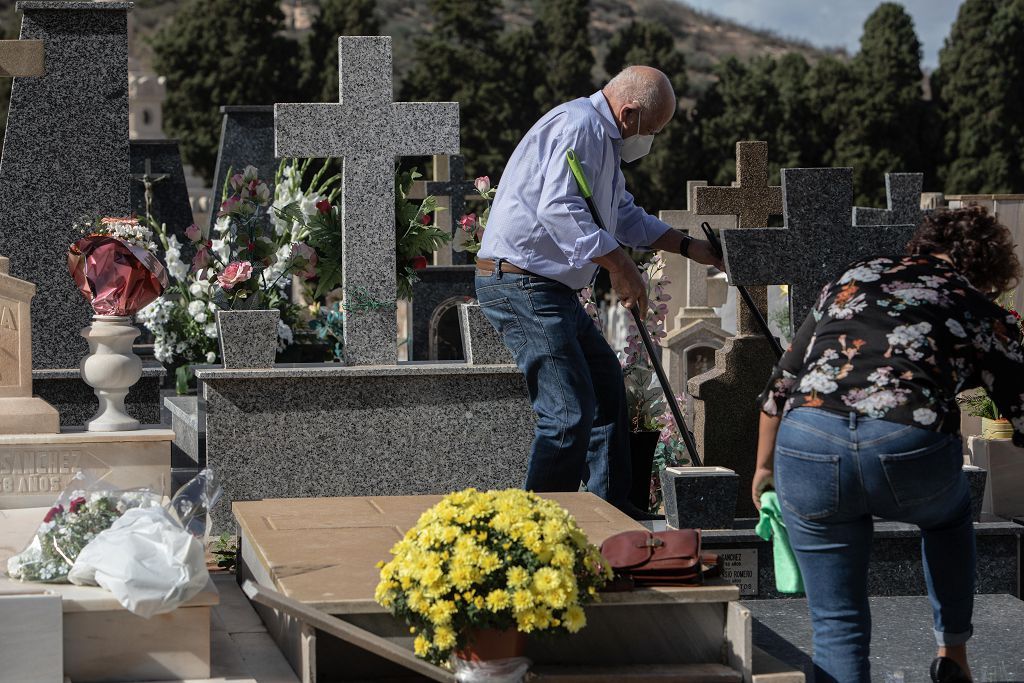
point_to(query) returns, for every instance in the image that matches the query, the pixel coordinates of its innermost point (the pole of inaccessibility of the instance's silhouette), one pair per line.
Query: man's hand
(763, 481)
(630, 287)
(702, 252)
(626, 280)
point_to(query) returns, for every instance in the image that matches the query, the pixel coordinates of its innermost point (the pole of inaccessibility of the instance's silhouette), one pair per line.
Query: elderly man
(542, 245)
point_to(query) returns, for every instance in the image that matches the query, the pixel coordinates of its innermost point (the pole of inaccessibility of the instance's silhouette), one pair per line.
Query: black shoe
(945, 670)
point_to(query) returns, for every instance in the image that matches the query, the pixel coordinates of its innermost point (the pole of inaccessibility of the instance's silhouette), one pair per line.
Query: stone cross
(696, 274)
(752, 200)
(452, 185)
(817, 243)
(367, 130)
(903, 197)
(65, 156)
(148, 179)
(246, 139)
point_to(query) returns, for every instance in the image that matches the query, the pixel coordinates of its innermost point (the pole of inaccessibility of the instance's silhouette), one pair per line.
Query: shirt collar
(601, 105)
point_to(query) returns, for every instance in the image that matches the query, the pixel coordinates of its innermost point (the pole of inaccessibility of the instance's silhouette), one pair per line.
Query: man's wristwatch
(684, 246)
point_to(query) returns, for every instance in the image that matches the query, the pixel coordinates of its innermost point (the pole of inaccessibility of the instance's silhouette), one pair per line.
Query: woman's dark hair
(981, 248)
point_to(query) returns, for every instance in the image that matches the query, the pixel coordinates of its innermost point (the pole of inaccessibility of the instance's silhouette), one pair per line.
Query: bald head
(644, 93)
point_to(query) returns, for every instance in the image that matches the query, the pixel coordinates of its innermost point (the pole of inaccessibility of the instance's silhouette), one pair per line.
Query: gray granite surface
(23, 5)
(368, 130)
(481, 343)
(699, 500)
(434, 338)
(65, 156)
(76, 402)
(976, 478)
(247, 339)
(328, 370)
(902, 644)
(895, 567)
(818, 242)
(725, 409)
(246, 139)
(170, 204)
(903, 199)
(188, 420)
(422, 430)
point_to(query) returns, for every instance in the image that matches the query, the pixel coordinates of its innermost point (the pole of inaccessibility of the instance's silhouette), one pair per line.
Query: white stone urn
(111, 369)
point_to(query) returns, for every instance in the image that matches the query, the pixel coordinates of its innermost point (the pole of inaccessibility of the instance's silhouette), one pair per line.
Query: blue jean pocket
(921, 475)
(504, 318)
(807, 483)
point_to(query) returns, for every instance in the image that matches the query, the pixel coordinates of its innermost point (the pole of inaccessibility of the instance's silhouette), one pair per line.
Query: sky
(836, 23)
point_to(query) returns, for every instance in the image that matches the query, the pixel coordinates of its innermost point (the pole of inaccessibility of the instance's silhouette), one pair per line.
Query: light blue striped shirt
(539, 220)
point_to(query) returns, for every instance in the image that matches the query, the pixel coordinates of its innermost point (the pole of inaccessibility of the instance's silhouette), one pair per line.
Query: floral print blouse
(898, 339)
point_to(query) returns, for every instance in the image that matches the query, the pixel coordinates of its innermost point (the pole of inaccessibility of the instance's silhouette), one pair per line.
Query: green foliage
(221, 52)
(884, 110)
(225, 549)
(319, 82)
(416, 236)
(979, 90)
(978, 404)
(562, 31)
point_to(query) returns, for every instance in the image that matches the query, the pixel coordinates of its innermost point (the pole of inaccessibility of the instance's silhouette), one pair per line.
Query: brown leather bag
(662, 558)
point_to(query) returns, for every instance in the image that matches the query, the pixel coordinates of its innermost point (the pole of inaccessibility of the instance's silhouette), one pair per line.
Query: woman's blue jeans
(575, 384)
(833, 473)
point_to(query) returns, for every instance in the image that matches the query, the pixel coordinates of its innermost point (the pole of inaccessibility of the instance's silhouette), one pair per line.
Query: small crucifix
(149, 180)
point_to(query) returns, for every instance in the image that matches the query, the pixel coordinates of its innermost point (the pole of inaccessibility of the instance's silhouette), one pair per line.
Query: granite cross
(455, 188)
(816, 245)
(752, 200)
(903, 197)
(696, 273)
(367, 130)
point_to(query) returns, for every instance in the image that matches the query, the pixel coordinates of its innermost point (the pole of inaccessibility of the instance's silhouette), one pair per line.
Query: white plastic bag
(147, 560)
(509, 670)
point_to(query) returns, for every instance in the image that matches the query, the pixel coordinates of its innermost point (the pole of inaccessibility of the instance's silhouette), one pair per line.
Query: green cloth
(770, 525)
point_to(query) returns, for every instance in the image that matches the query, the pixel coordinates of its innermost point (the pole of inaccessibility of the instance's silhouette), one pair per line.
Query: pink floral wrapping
(117, 278)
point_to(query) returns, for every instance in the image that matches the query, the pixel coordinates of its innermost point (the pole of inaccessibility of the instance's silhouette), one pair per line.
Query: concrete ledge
(328, 370)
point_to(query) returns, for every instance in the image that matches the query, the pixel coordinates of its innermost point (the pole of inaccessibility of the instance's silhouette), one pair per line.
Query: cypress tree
(827, 88)
(885, 110)
(458, 60)
(320, 52)
(978, 89)
(221, 52)
(563, 35)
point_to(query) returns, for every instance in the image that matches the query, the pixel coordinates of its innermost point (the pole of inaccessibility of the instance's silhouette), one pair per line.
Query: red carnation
(53, 512)
(426, 219)
(323, 206)
(76, 504)
(419, 262)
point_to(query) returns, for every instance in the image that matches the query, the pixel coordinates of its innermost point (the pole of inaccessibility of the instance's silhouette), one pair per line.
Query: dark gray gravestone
(65, 157)
(903, 197)
(246, 139)
(456, 189)
(818, 242)
(437, 294)
(170, 204)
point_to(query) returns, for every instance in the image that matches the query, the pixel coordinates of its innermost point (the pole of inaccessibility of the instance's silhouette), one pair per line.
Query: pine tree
(658, 181)
(885, 112)
(827, 88)
(978, 88)
(320, 52)
(563, 36)
(221, 52)
(458, 60)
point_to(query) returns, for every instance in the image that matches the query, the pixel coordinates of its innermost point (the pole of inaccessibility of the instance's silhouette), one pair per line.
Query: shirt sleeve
(1003, 371)
(780, 385)
(562, 211)
(636, 227)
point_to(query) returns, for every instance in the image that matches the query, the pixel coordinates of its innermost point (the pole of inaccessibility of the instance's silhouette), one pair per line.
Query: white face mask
(636, 146)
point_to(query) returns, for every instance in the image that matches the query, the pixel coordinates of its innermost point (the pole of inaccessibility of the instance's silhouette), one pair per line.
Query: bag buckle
(652, 542)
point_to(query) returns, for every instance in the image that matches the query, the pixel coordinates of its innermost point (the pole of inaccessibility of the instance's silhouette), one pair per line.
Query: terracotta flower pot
(487, 644)
(996, 429)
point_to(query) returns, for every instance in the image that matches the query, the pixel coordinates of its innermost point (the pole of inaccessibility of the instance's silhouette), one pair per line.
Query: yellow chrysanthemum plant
(490, 560)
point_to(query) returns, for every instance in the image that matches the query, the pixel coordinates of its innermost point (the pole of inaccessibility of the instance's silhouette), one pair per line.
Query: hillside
(704, 38)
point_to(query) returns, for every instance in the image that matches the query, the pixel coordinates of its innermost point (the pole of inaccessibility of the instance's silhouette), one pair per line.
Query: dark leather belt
(485, 266)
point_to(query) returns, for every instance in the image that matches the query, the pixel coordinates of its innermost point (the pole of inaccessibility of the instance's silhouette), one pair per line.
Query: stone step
(636, 673)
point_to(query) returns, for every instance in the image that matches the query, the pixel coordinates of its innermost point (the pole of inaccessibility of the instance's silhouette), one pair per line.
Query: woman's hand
(763, 481)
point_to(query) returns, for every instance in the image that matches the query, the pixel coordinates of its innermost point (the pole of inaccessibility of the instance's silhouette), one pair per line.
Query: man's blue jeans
(833, 473)
(575, 384)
